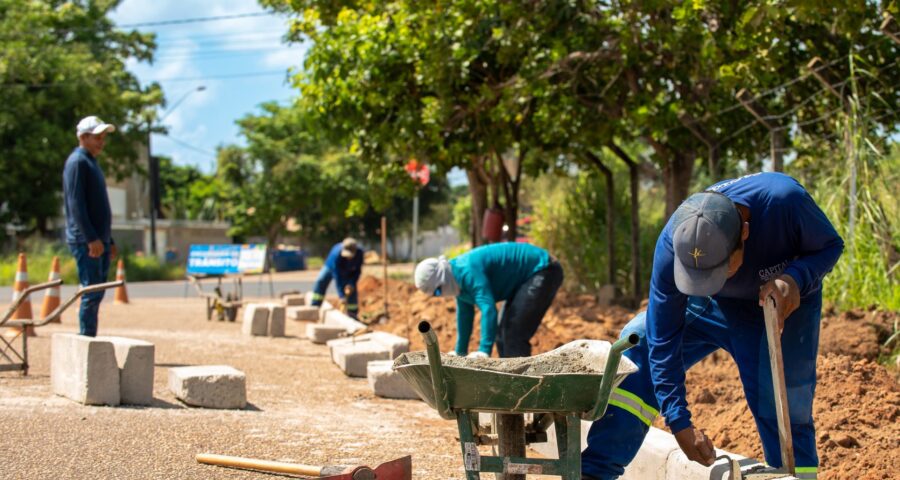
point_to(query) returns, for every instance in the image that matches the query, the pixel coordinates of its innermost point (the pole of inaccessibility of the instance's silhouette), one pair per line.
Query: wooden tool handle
(776, 360)
(264, 465)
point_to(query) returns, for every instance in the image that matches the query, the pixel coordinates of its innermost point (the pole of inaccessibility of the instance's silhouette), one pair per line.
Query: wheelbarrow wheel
(511, 436)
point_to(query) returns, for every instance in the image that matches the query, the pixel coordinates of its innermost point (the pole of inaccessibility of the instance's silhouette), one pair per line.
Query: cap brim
(106, 127)
(700, 283)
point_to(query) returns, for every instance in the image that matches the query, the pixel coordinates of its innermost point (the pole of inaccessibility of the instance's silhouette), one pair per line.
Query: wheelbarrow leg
(568, 441)
(471, 458)
(511, 434)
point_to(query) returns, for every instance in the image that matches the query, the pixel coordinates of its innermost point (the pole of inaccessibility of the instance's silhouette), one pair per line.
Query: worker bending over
(722, 253)
(344, 263)
(524, 276)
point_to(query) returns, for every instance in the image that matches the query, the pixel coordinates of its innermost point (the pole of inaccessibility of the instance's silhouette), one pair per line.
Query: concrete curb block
(303, 314)
(353, 354)
(276, 320)
(84, 369)
(324, 309)
(319, 333)
(659, 458)
(135, 361)
(339, 318)
(256, 320)
(209, 386)
(387, 383)
(294, 300)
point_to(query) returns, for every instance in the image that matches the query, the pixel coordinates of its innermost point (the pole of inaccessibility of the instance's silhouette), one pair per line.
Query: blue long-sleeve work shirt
(346, 270)
(789, 234)
(86, 203)
(487, 275)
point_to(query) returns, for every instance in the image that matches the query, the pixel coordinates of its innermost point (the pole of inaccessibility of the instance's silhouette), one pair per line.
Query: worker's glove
(348, 290)
(786, 294)
(478, 354)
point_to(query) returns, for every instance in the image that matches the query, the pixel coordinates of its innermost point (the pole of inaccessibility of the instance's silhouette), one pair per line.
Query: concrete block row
(209, 386)
(264, 319)
(387, 383)
(102, 370)
(353, 354)
(660, 458)
(321, 333)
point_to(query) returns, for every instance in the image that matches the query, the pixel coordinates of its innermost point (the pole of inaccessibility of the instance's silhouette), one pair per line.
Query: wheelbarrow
(511, 388)
(225, 305)
(17, 358)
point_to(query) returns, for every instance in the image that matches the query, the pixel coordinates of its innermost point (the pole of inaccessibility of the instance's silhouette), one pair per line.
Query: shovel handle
(264, 465)
(776, 361)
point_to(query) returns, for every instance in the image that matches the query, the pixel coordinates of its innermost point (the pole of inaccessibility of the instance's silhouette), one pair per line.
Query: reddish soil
(857, 407)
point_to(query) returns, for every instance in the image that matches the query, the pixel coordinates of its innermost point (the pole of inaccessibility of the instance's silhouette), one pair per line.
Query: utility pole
(762, 116)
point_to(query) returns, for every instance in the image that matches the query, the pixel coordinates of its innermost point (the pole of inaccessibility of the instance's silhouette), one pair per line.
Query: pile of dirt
(857, 404)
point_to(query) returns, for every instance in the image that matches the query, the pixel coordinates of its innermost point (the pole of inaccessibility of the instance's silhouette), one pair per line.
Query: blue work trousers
(351, 301)
(737, 326)
(91, 271)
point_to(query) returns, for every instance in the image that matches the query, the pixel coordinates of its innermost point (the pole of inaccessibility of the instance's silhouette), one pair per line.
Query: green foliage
(462, 217)
(457, 250)
(39, 257)
(569, 220)
(59, 62)
(187, 193)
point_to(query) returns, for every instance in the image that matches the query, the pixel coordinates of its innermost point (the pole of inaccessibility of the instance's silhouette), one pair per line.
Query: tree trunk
(678, 172)
(633, 172)
(478, 190)
(511, 192)
(610, 217)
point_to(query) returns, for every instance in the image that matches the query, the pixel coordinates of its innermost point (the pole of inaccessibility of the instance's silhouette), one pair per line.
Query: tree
(61, 61)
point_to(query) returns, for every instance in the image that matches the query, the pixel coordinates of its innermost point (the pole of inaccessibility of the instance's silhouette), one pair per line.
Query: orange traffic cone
(21, 283)
(51, 298)
(121, 293)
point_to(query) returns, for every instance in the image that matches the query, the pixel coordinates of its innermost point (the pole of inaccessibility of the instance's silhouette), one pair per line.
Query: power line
(189, 146)
(181, 21)
(222, 77)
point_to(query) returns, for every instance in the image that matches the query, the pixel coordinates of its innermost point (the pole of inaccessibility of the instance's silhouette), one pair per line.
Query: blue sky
(241, 62)
(249, 50)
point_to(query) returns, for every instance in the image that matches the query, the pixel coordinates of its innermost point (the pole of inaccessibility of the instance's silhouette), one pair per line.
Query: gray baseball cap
(707, 230)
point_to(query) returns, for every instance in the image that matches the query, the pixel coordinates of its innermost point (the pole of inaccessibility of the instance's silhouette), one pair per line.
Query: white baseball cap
(94, 126)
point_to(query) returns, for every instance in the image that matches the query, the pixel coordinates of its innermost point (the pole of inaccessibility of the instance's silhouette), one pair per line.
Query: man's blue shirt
(346, 270)
(487, 275)
(789, 234)
(88, 214)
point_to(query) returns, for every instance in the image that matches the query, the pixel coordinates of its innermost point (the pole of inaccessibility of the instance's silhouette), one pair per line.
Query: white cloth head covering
(434, 273)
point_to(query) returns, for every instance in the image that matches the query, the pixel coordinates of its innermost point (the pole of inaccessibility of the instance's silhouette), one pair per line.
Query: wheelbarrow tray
(570, 385)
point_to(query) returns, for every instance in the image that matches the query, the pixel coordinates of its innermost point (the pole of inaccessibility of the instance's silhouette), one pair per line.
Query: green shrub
(456, 250)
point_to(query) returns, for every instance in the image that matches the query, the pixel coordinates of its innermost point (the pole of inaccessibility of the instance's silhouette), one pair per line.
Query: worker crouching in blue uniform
(524, 276)
(344, 264)
(720, 255)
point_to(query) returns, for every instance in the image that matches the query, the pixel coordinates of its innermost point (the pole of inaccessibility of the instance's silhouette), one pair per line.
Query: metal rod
(90, 289)
(609, 374)
(442, 404)
(24, 296)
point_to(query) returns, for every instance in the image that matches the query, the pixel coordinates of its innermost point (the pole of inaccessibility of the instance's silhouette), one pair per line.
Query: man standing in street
(721, 255)
(344, 263)
(522, 275)
(89, 216)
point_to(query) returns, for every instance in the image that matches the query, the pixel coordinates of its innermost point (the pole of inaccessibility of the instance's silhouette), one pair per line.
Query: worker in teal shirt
(524, 276)
(722, 253)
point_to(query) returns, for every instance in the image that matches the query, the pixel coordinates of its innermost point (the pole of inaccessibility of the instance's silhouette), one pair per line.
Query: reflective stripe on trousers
(632, 404)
